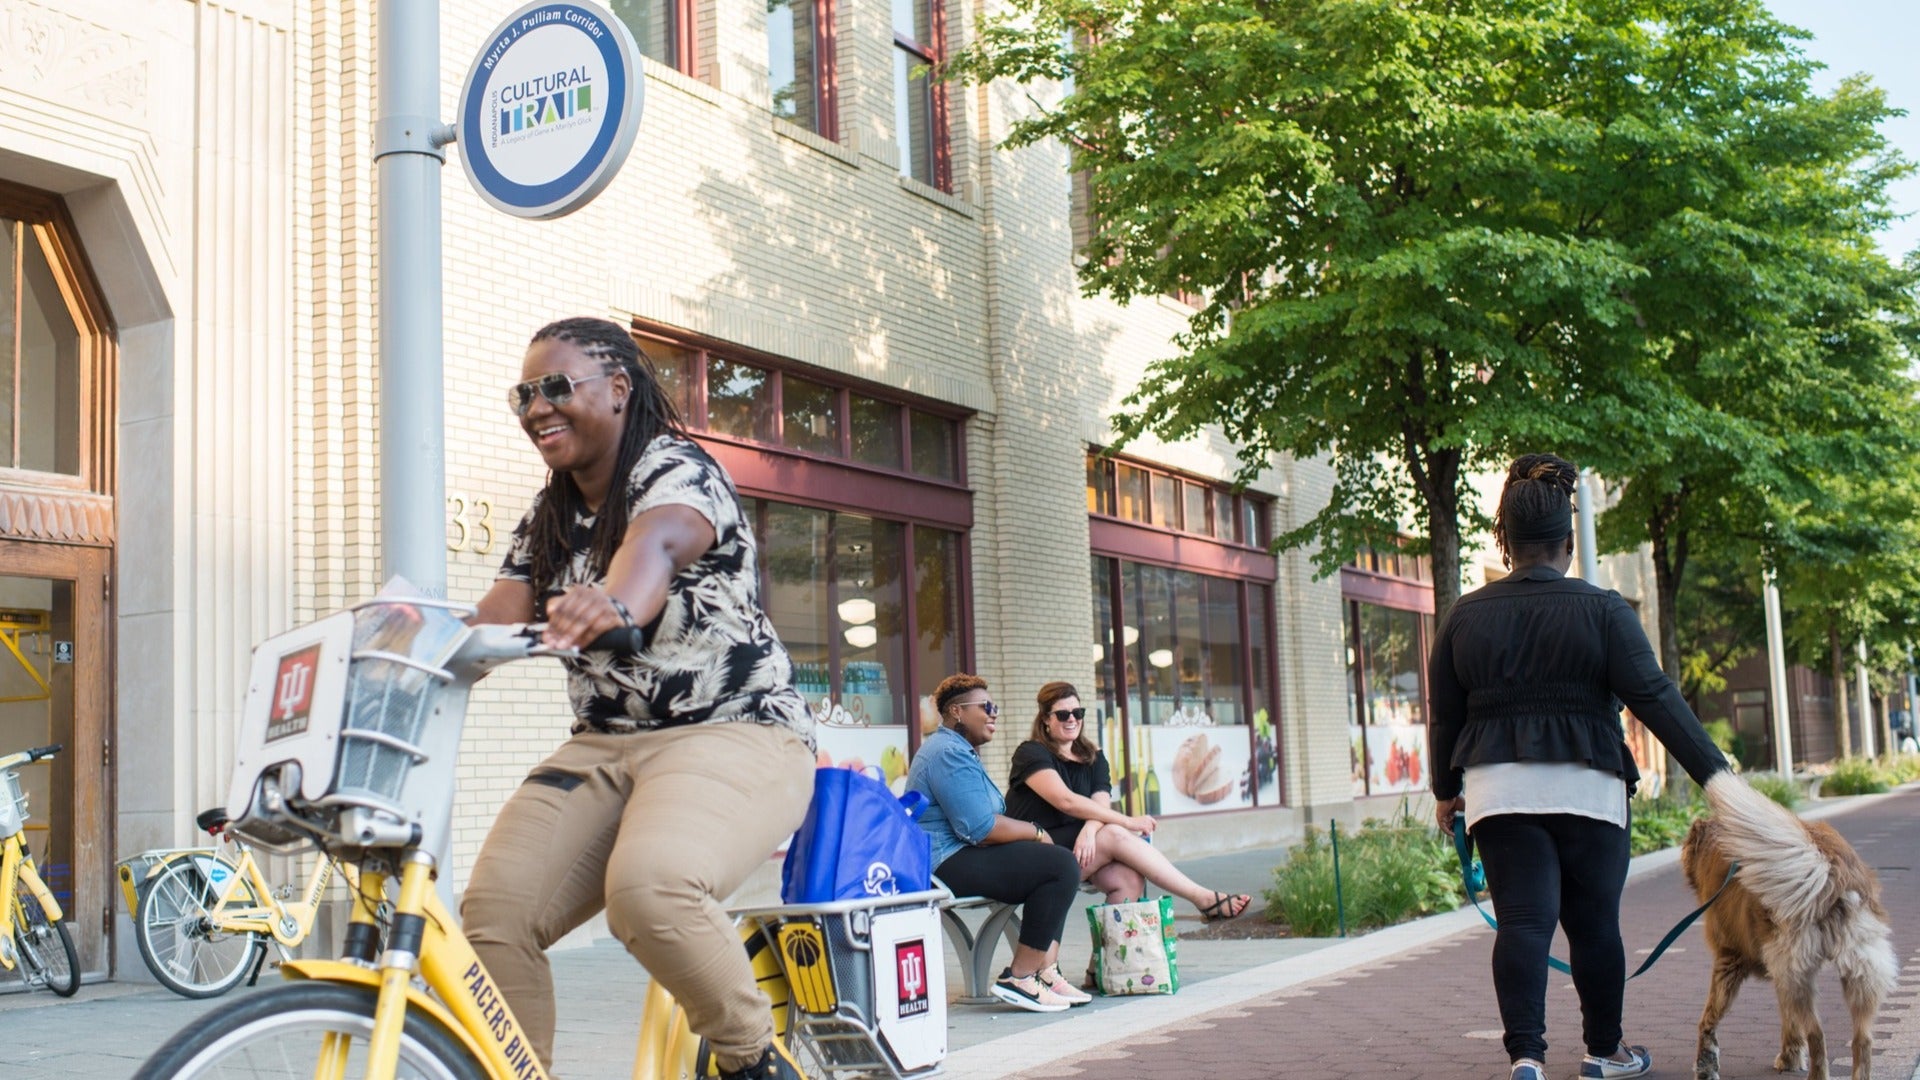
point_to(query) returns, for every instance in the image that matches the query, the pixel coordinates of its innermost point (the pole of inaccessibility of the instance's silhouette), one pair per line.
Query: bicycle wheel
(279, 1033)
(179, 944)
(46, 950)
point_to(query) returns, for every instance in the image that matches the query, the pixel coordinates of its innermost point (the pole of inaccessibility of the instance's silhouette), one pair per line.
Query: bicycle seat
(213, 821)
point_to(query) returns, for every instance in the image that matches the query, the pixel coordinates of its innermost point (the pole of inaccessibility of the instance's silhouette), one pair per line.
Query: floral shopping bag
(1134, 947)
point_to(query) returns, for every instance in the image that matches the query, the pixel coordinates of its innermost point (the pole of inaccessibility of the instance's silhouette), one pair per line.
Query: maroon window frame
(1103, 503)
(1238, 558)
(932, 53)
(1388, 578)
(826, 69)
(783, 474)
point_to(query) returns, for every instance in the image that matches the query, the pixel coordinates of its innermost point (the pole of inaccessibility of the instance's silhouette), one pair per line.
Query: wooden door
(56, 687)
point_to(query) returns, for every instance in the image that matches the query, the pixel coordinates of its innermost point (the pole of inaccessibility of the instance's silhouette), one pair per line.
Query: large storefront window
(861, 525)
(836, 586)
(1388, 621)
(1183, 688)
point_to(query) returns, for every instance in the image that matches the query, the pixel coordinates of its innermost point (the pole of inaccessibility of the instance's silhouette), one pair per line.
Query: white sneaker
(1638, 1063)
(1050, 975)
(1027, 992)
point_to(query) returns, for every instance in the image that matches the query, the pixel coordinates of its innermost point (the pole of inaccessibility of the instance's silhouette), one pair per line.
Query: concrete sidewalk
(107, 1029)
(1261, 1007)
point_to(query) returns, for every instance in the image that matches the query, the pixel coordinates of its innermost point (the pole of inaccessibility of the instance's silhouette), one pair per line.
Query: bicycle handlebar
(623, 640)
(41, 753)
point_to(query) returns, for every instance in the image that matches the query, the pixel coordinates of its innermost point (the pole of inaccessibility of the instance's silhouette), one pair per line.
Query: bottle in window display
(1150, 788)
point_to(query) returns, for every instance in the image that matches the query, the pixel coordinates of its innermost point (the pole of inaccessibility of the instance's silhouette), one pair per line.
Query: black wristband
(620, 609)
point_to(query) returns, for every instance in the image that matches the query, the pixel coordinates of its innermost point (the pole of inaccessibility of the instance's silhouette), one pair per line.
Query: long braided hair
(650, 413)
(1538, 491)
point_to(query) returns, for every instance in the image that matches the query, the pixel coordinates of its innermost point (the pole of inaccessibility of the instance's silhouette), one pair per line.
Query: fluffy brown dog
(1802, 898)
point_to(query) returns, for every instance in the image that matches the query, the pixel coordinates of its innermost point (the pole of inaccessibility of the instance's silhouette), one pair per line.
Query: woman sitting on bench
(1060, 781)
(980, 851)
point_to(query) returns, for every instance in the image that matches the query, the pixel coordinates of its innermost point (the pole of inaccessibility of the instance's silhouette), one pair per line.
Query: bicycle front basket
(395, 689)
(13, 804)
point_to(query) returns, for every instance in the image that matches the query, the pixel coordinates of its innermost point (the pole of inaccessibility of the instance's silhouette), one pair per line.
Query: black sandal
(1216, 911)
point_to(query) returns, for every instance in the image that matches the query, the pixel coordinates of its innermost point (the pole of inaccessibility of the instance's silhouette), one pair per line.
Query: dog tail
(1779, 863)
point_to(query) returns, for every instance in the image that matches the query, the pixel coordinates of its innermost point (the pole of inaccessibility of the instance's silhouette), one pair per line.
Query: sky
(1875, 38)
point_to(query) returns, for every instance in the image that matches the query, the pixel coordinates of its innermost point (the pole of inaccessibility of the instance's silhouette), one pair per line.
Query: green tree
(1420, 225)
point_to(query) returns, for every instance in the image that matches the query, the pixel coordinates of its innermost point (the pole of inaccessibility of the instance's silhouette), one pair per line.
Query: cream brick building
(198, 178)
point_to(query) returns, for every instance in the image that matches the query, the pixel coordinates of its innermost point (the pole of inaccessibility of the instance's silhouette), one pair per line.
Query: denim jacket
(962, 802)
(1535, 667)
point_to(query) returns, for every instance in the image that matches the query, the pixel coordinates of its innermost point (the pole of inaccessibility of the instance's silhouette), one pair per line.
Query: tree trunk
(1842, 729)
(1436, 474)
(1886, 725)
(1666, 589)
(1669, 567)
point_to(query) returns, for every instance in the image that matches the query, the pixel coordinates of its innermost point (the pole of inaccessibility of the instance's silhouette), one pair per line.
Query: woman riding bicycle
(690, 759)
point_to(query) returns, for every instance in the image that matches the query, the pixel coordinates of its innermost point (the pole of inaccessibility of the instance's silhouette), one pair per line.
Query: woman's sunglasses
(1064, 715)
(556, 387)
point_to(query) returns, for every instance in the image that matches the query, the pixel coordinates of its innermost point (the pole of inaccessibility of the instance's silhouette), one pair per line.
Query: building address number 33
(470, 524)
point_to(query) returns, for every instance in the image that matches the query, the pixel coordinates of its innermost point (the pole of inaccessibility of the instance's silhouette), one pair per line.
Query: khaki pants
(657, 828)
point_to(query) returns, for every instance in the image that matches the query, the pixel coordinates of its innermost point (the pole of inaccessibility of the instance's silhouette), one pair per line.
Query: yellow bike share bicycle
(348, 742)
(34, 942)
(203, 920)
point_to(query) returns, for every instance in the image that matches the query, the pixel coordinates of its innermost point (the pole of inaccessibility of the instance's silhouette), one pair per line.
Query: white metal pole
(1589, 552)
(1867, 722)
(1777, 677)
(407, 150)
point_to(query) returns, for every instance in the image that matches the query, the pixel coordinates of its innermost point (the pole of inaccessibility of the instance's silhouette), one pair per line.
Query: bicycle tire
(182, 951)
(277, 1033)
(46, 950)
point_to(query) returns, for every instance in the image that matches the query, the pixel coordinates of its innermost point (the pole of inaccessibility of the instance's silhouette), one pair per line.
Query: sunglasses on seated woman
(1064, 715)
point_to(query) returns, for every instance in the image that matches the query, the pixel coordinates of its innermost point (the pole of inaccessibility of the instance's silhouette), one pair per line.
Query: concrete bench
(976, 949)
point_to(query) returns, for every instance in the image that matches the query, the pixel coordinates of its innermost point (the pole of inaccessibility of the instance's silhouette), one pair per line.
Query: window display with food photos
(1386, 697)
(1195, 717)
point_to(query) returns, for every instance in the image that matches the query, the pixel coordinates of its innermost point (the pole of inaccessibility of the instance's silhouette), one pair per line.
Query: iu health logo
(292, 704)
(911, 959)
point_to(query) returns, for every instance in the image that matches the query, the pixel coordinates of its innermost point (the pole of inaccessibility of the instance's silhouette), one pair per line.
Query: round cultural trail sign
(550, 108)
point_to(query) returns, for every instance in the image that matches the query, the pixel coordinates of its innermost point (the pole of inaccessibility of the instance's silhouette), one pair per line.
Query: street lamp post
(407, 150)
(1867, 732)
(1777, 676)
(1589, 554)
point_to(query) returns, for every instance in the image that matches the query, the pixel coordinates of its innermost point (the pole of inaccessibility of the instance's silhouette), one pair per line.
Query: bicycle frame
(16, 861)
(464, 998)
(16, 869)
(288, 923)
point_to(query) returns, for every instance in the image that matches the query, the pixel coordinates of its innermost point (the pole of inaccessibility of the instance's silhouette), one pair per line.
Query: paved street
(1411, 1000)
(1427, 1009)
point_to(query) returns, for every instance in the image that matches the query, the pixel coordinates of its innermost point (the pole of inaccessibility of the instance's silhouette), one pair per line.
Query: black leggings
(1543, 869)
(1041, 877)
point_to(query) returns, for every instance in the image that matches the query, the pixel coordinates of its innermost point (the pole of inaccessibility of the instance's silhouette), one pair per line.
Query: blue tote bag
(858, 841)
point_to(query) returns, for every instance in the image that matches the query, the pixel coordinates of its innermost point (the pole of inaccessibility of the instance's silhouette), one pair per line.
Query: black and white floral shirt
(712, 656)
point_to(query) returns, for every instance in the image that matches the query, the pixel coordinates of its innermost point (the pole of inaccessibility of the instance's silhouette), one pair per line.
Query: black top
(1535, 667)
(1081, 778)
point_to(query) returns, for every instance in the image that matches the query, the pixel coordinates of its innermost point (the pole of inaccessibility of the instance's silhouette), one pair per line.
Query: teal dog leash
(1473, 877)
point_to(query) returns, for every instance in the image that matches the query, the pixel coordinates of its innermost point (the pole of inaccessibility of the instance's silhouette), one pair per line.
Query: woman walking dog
(1527, 677)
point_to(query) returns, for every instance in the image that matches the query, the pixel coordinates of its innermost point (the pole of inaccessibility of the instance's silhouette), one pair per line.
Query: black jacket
(1535, 667)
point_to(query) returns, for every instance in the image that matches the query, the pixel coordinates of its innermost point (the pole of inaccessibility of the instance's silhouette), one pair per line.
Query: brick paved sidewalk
(1428, 1009)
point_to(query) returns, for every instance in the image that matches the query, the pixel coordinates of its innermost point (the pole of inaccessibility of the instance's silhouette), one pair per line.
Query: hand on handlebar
(586, 617)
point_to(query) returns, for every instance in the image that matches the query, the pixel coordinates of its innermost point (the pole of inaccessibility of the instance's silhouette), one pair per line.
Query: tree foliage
(1432, 233)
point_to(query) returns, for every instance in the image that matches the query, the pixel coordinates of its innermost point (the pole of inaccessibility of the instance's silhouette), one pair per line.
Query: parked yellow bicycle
(203, 920)
(348, 741)
(36, 944)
